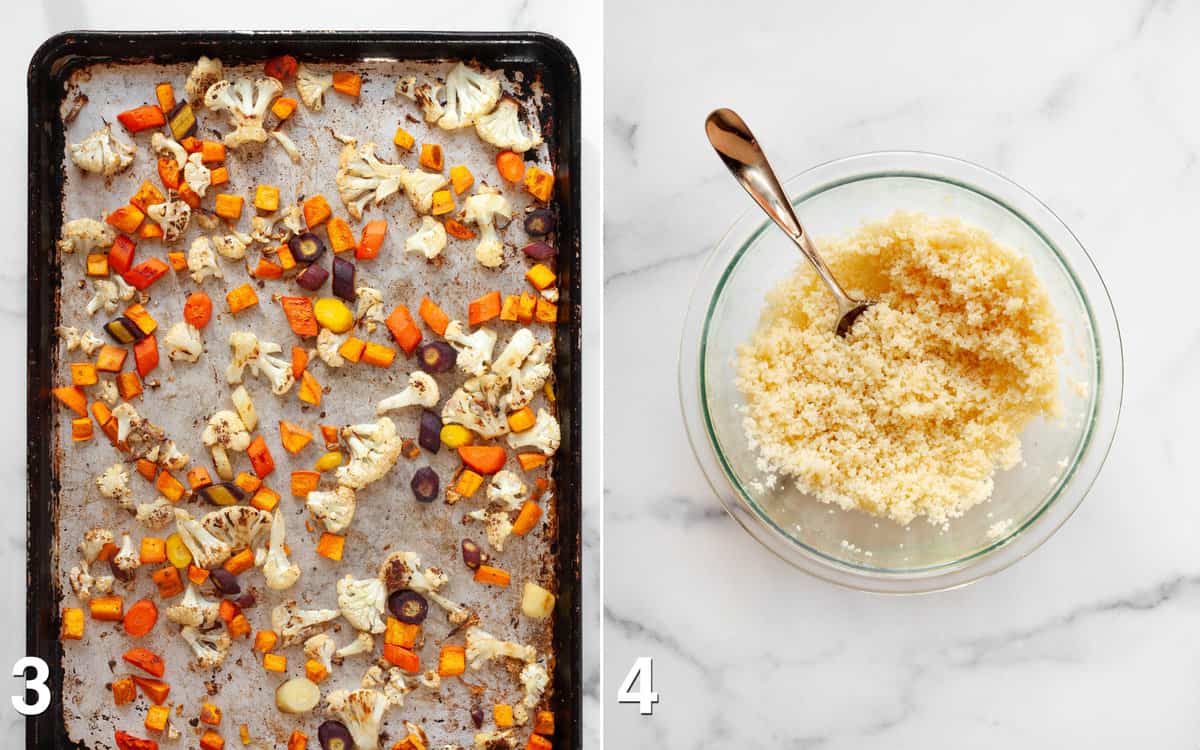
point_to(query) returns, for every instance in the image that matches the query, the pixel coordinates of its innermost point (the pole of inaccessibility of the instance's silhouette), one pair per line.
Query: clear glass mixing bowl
(1062, 456)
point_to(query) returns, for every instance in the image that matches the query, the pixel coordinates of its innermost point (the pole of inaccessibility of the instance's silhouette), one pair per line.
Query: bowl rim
(1073, 484)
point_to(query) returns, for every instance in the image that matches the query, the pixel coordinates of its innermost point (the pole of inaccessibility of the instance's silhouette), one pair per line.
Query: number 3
(41, 673)
(643, 671)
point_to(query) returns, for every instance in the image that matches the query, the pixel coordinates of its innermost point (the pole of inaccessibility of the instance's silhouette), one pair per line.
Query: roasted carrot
(527, 518)
(145, 660)
(316, 210)
(241, 298)
(531, 461)
(124, 691)
(341, 236)
(126, 741)
(300, 315)
(107, 608)
(299, 361)
(304, 482)
(510, 165)
(485, 459)
(168, 582)
(140, 618)
(260, 457)
(73, 397)
(330, 546)
(145, 355)
(402, 657)
(347, 83)
(457, 229)
(378, 354)
(145, 273)
(120, 255)
(72, 624)
(310, 389)
(169, 173)
(373, 235)
(484, 309)
(282, 67)
(494, 576)
(267, 270)
(434, 316)
(156, 691)
(452, 661)
(293, 437)
(142, 118)
(403, 329)
(197, 310)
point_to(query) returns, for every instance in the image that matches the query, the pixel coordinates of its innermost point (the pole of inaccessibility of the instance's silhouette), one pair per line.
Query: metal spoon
(739, 149)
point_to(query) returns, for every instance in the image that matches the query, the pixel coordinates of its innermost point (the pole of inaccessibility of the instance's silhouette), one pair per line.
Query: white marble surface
(577, 22)
(1091, 641)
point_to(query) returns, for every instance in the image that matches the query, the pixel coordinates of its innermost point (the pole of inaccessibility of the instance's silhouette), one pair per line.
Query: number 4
(643, 670)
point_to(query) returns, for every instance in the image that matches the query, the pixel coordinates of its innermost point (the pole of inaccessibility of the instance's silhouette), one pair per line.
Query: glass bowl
(1061, 455)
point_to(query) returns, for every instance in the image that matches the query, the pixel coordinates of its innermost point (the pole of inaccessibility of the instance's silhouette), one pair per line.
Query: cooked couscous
(914, 411)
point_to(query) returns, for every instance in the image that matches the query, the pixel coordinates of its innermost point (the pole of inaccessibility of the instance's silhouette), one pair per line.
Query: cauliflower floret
(244, 346)
(321, 648)
(202, 261)
(362, 603)
(277, 372)
(429, 240)
(194, 610)
(280, 572)
(544, 435)
(369, 312)
(476, 406)
(420, 187)
(197, 176)
(171, 457)
(496, 524)
(81, 581)
(483, 209)
(248, 351)
(475, 350)
(164, 146)
(232, 246)
(108, 392)
(125, 292)
(507, 491)
(183, 342)
(113, 483)
(203, 75)
(422, 390)
(289, 146)
(207, 550)
(362, 712)
(126, 417)
(86, 235)
(514, 353)
(94, 540)
(334, 509)
(210, 647)
(312, 85)
(534, 679)
(499, 739)
(364, 643)
(247, 105)
(470, 94)
(374, 449)
(106, 298)
(328, 344)
(225, 432)
(402, 570)
(524, 383)
(156, 515)
(87, 342)
(239, 526)
(363, 177)
(127, 558)
(295, 625)
(172, 215)
(482, 647)
(101, 153)
(503, 129)
(430, 679)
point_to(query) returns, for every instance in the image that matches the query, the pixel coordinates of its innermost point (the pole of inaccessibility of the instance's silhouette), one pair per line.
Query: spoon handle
(739, 150)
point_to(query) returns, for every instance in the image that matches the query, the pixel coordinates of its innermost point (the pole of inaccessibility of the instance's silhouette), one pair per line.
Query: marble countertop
(1089, 642)
(576, 22)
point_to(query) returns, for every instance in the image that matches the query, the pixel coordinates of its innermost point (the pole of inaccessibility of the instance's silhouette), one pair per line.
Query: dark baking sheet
(537, 54)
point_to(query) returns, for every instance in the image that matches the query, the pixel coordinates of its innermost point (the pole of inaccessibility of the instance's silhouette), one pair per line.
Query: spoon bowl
(733, 141)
